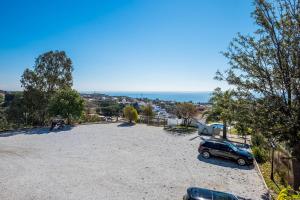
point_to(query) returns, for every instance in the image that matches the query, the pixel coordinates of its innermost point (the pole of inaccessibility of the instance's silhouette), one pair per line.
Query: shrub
(258, 140)
(130, 114)
(260, 154)
(288, 194)
(90, 118)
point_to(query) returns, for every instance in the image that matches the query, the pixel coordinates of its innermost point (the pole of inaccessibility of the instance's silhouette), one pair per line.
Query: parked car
(225, 149)
(217, 125)
(194, 193)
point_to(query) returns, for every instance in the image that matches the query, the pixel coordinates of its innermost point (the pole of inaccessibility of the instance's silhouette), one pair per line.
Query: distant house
(141, 103)
(124, 101)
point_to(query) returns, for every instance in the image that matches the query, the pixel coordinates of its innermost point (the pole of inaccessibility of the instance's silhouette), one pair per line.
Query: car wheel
(206, 154)
(241, 161)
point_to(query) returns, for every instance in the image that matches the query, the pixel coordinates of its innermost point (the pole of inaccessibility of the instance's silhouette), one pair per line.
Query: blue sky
(124, 45)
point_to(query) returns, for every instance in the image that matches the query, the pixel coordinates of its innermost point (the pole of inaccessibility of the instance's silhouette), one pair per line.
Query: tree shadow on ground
(35, 131)
(224, 163)
(265, 196)
(126, 124)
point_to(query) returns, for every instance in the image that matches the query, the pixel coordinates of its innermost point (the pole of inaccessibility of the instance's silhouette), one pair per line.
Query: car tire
(205, 154)
(241, 161)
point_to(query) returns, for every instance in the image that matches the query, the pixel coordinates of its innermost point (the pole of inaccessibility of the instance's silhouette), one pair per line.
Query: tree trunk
(69, 120)
(224, 130)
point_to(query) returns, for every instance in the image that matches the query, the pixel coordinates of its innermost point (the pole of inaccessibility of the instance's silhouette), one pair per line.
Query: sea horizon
(179, 96)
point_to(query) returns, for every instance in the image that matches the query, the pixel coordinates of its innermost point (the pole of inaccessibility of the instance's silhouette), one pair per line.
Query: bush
(258, 140)
(288, 194)
(260, 154)
(130, 114)
(90, 118)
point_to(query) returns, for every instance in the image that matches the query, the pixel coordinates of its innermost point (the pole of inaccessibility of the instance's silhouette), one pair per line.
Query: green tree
(148, 112)
(110, 108)
(186, 111)
(265, 68)
(66, 103)
(3, 121)
(242, 117)
(1, 99)
(16, 111)
(52, 71)
(222, 108)
(130, 114)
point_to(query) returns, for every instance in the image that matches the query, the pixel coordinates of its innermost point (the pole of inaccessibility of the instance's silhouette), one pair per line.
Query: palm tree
(222, 108)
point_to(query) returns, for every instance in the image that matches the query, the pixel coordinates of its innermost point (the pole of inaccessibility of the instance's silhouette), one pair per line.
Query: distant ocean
(196, 97)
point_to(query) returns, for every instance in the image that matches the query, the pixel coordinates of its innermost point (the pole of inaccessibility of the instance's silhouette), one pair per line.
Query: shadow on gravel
(34, 131)
(126, 124)
(224, 163)
(265, 196)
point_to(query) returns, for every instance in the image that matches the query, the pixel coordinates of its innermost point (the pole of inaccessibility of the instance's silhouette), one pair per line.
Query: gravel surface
(112, 161)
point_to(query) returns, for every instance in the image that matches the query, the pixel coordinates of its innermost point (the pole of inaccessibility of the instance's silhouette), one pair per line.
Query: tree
(52, 71)
(130, 114)
(265, 68)
(110, 108)
(1, 99)
(3, 120)
(222, 108)
(243, 118)
(16, 111)
(66, 103)
(148, 112)
(186, 111)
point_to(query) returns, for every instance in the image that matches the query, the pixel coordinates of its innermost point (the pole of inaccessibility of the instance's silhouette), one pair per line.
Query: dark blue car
(225, 149)
(194, 193)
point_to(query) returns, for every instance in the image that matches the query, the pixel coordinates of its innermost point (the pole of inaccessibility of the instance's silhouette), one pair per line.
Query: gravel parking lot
(112, 161)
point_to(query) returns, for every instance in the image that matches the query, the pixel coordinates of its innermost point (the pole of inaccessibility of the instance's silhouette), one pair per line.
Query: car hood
(245, 153)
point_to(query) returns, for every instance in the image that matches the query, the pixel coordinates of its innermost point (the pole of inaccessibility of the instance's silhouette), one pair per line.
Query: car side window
(222, 196)
(223, 147)
(210, 145)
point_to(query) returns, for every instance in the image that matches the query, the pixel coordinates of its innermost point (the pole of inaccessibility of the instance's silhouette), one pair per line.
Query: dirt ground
(113, 161)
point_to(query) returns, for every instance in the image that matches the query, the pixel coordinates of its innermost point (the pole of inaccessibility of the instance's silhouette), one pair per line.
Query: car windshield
(222, 196)
(232, 146)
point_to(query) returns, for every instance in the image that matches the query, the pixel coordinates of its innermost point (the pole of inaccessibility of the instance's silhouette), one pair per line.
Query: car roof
(215, 140)
(206, 194)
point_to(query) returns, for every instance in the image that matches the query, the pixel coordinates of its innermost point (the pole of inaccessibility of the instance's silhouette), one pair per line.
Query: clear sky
(124, 45)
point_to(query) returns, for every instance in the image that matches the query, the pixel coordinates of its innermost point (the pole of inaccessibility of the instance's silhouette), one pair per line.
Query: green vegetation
(110, 109)
(264, 72)
(148, 112)
(261, 155)
(130, 114)
(47, 93)
(264, 69)
(52, 71)
(66, 103)
(1, 99)
(288, 194)
(181, 129)
(275, 185)
(186, 111)
(222, 108)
